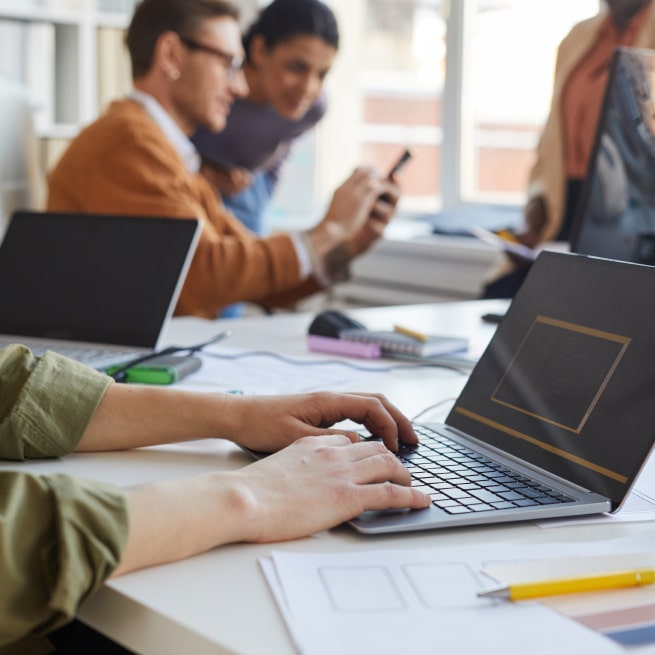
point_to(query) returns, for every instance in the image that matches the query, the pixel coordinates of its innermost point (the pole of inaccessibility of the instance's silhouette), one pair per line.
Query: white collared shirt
(169, 127)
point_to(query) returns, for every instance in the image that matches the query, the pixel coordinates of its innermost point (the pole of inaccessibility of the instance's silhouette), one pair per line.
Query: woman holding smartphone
(289, 51)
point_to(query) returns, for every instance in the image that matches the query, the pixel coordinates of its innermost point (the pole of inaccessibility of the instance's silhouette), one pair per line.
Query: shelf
(56, 48)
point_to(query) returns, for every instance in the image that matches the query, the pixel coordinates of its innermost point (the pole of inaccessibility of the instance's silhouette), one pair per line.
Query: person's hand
(535, 217)
(318, 483)
(381, 213)
(314, 484)
(228, 181)
(355, 219)
(352, 202)
(269, 423)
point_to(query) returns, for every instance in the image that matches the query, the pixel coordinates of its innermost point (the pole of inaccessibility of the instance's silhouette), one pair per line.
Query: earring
(175, 74)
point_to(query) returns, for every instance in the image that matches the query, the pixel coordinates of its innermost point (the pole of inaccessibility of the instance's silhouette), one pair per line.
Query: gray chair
(22, 183)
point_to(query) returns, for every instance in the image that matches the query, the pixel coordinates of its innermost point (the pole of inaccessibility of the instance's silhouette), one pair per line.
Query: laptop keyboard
(461, 481)
(98, 358)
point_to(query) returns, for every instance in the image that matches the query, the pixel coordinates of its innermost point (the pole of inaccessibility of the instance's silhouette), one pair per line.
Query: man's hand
(314, 484)
(318, 483)
(360, 210)
(269, 423)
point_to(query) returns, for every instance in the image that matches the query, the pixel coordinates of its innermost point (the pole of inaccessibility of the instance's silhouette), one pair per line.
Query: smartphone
(405, 156)
(400, 163)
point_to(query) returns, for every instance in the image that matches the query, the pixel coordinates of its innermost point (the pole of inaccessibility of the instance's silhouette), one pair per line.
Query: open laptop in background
(616, 213)
(557, 418)
(99, 289)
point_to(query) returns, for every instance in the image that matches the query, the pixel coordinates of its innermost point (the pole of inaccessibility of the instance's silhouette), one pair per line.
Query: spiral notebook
(392, 342)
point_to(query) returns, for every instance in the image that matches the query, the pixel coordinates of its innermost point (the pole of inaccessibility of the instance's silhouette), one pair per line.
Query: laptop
(557, 418)
(616, 212)
(97, 288)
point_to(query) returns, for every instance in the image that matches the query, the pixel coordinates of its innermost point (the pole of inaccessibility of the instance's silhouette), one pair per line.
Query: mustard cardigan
(124, 164)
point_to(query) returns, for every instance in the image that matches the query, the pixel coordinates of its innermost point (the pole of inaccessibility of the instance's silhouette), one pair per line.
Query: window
(466, 83)
(513, 46)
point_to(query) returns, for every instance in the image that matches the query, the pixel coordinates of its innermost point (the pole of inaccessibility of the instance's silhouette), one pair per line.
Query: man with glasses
(137, 159)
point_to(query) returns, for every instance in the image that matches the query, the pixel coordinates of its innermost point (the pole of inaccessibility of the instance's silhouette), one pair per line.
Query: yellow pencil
(419, 336)
(594, 582)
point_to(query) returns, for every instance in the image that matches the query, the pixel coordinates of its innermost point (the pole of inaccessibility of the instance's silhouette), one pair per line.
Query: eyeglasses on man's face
(234, 62)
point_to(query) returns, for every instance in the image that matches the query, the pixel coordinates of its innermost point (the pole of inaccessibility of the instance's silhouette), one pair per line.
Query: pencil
(594, 582)
(419, 336)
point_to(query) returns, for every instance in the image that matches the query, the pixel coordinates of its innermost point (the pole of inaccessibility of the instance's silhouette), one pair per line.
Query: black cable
(120, 375)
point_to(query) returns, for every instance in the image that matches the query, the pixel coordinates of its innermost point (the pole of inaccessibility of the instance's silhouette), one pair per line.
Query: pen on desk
(419, 336)
(594, 582)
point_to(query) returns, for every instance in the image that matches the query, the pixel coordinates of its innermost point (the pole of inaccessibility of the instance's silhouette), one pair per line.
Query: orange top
(124, 164)
(582, 99)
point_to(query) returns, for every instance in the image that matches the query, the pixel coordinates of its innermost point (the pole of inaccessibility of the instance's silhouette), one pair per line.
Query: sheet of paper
(387, 602)
(626, 616)
(253, 373)
(639, 506)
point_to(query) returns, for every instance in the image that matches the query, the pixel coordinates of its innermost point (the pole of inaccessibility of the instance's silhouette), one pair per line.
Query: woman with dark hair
(289, 51)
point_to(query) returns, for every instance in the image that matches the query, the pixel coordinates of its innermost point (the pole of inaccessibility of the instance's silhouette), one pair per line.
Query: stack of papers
(385, 602)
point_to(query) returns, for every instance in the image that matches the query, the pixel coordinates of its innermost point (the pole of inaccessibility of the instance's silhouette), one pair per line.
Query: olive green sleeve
(45, 403)
(61, 538)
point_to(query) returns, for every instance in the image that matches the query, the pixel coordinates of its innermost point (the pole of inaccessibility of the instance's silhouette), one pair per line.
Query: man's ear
(168, 56)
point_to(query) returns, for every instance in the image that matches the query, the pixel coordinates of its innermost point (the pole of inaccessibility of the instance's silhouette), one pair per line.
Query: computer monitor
(616, 214)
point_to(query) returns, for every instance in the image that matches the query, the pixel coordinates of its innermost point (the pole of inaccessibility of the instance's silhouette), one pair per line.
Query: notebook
(397, 343)
(615, 217)
(557, 418)
(99, 289)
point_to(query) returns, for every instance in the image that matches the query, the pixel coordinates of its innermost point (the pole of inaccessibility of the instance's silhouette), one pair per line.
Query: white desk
(219, 602)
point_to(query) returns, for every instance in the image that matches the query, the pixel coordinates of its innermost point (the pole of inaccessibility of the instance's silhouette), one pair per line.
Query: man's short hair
(154, 17)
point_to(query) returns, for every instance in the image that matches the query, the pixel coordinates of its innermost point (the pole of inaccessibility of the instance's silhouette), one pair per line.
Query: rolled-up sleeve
(60, 537)
(45, 403)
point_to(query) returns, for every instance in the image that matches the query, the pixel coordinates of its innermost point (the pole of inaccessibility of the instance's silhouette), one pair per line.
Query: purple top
(256, 137)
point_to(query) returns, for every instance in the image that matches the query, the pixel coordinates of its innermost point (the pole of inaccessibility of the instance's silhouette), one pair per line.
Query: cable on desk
(333, 362)
(431, 407)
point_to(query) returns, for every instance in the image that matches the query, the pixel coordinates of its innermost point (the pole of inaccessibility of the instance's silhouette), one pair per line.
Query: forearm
(132, 416)
(314, 484)
(172, 520)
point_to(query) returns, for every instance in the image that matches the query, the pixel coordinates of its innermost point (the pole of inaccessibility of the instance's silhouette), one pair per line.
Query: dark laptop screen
(567, 382)
(616, 215)
(105, 279)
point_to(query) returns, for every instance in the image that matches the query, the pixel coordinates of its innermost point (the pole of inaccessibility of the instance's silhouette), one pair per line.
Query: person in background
(62, 537)
(137, 159)
(289, 50)
(566, 143)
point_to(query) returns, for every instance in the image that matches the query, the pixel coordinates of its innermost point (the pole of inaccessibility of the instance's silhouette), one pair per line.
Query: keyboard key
(457, 510)
(486, 496)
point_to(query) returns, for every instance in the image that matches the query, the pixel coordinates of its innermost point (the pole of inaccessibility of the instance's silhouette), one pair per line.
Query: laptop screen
(101, 279)
(616, 214)
(567, 382)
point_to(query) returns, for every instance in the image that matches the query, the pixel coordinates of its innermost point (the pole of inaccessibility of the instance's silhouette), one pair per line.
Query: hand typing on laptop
(321, 477)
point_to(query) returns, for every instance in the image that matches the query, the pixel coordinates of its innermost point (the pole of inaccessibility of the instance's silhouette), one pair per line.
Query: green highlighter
(166, 369)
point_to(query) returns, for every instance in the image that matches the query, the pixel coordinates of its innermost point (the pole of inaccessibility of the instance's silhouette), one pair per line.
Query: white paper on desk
(639, 506)
(388, 602)
(264, 374)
